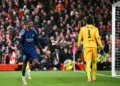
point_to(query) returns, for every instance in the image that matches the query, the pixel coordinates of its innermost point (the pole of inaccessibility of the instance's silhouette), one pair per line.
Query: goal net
(116, 39)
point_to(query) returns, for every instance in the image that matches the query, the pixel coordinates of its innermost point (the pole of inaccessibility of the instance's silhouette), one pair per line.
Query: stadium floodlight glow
(115, 36)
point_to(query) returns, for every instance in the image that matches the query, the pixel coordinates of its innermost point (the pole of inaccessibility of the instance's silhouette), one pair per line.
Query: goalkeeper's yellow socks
(94, 68)
(88, 70)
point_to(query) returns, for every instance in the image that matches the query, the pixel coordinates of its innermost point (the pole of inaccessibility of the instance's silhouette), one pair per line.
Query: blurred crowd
(57, 22)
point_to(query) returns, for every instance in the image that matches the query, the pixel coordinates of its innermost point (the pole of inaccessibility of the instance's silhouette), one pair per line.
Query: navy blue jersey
(28, 39)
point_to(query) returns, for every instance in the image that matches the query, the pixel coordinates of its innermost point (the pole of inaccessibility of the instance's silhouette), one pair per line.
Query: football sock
(94, 67)
(24, 80)
(27, 67)
(23, 72)
(88, 69)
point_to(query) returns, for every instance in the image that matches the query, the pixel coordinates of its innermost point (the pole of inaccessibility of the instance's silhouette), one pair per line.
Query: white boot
(24, 80)
(29, 74)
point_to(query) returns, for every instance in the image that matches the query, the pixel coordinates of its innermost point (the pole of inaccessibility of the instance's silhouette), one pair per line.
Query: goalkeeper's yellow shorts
(90, 54)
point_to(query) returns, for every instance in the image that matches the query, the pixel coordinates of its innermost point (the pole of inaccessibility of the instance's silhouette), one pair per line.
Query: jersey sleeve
(98, 38)
(21, 36)
(21, 39)
(35, 31)
(80, 37)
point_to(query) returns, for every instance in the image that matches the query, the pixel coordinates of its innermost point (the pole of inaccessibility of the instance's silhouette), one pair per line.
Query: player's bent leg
(29, 74)
(35, 57)
(34, 65)
(28, 71)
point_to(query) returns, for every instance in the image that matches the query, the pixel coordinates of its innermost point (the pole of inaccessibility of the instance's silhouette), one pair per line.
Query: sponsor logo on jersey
(29, 39)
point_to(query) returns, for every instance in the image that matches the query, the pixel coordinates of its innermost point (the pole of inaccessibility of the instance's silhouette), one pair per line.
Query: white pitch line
(106, 75)
(98, 74)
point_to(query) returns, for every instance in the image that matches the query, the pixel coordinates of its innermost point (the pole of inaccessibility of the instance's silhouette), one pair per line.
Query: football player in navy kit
(28, 41)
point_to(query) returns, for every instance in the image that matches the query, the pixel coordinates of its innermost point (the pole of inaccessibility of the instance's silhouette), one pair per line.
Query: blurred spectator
(46, 62)
(65, 55)
(59, 6)
(56, 61)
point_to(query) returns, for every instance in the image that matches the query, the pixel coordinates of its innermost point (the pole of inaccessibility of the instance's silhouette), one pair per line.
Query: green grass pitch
(56, 78)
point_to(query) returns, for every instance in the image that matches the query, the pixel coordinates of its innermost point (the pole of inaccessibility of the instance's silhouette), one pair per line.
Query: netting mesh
(117, 40)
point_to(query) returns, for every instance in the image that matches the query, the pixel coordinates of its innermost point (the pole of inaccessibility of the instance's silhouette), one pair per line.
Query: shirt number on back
(89, 36)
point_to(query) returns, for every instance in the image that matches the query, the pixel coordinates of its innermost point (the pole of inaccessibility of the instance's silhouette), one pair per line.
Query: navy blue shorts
(33, 54)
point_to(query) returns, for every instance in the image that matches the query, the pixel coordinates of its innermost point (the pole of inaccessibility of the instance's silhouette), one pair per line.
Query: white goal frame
(113, 73)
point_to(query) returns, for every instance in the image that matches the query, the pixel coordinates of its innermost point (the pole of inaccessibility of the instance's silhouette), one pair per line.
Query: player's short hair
(89, 19)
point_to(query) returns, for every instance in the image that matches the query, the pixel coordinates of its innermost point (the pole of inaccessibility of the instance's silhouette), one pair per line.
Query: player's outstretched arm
(21, 39)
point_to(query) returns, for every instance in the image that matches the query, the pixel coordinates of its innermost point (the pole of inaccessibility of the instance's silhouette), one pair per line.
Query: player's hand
(80, 49)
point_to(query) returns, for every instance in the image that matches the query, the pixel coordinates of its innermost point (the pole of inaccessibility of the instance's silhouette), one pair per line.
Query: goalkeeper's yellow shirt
(90, 36)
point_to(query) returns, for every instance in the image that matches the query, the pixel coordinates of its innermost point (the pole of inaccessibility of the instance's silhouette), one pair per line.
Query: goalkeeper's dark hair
(89, 19)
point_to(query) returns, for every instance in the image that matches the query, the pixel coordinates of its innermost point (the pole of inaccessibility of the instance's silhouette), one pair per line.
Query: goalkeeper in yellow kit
(90, 36)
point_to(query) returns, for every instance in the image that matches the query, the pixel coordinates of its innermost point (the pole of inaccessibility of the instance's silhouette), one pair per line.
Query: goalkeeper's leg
(87, 57)
(88, 68)
(94, 68)
(94, 63)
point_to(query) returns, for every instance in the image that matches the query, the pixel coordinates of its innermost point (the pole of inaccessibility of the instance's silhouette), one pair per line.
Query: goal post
(115, 35)
(113, 40)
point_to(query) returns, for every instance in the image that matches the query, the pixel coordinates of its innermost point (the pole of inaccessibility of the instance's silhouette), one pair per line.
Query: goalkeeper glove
(80, 49)
(101, 51)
